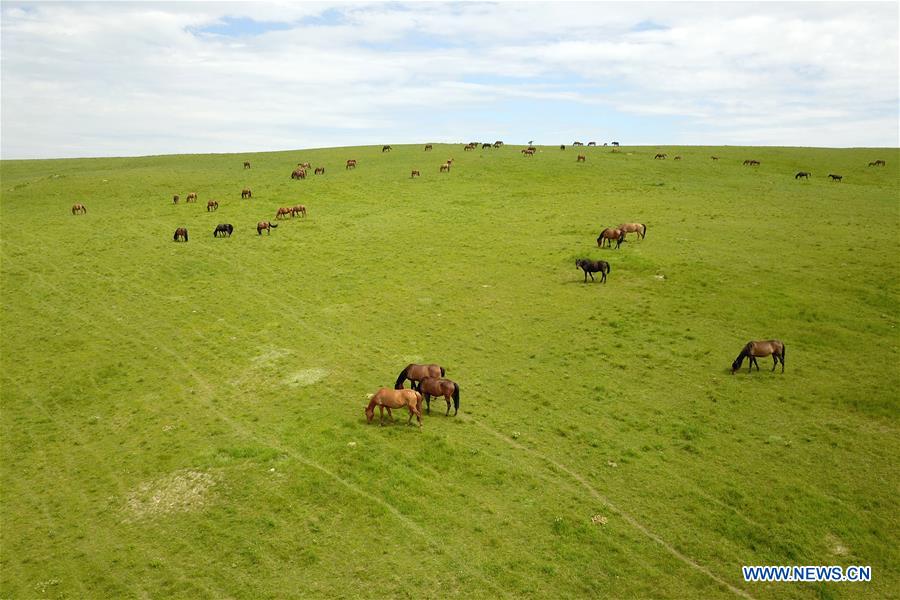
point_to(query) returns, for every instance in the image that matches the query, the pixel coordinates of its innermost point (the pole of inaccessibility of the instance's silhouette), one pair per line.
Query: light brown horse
(78, 209)
(181, 233)
(351, 163)
(298, 209)
(246, 164)
(416, 373)
(298, 173)
(639, 228)
(752, 350)
(581, 158)
(265, 225)
(284, 211)
(437, 386)
(415, 174)
(304, 165)
(445, 167)
(608, 235)
(191, 197)
(319, 170)
(175, 199)
(246, 193)
(212, 205)
(388, 398)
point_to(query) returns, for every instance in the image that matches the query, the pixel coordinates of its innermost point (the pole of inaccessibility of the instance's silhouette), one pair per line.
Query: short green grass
(186, 420)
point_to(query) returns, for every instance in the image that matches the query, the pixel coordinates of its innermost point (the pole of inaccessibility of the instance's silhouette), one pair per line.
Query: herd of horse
(426, 382)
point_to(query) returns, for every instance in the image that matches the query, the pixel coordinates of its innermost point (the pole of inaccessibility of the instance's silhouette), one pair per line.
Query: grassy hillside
(186, 420)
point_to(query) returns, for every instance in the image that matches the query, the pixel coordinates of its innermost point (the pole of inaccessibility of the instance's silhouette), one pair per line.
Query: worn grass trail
(186, 420)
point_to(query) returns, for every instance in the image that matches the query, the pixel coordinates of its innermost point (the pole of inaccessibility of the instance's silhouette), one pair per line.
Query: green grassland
(186, 420)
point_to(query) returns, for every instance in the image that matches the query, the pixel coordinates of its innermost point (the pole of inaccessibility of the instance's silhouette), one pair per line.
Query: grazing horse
(386, 148)
(677, 158)
(498, 143)
(760, 349)
(223, 228)
(284, 211)
(388, 398)
(577, 144)
(246, 164)
(176, 198)
(78, 209)
(581, 158)
(751, 163)
(608, 235)
(436, 386)
(298, 173)
(485, 146)
(639, 228)
(298, 209)
(877, 163)
(468, 147)
(319, 170)
(428, 147)
(265, 225)
(804, 174)
(615, 143)
(835, 177)
(445, 167)
(593, 266)
(191, 197)
(416, 373)
(304, 165)
(714, 157)
(351, 163)
(212, 205)
(415, 174)
(181, 233)
(661, 156)
(562, 146)
(528, 152)
(592, 143)
(246, 193)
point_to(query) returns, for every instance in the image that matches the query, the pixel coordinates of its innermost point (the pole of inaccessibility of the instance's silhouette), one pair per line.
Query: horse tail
(455, 397)
(443, 372)
(401, 378)
(783, 352)
(645, 231)
(175, 237)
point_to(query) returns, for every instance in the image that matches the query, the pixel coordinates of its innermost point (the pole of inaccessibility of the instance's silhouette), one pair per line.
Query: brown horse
(265, 225)
(593, 266)
(284, 211)
(661, 155)
(298, 209)
(415, 174)
(498, 143)
(581, 158)
(577, 144)
(751, 163)
(714, 157)
(639, 228)
(752, 350)
(298, 173)
(835, 177)
(212, 205)
(78, 209)
(386, 148)
(246, 164)
(608, 235)
(445, 167)
(176, 198)
(877, 163)
(246, 193)
(468, 147)
(803, 174)
(528, 152)
(304, 165)
(351, 164)
(428, 147)
(436, 386)
(191, 197)
(319, 170)
(388, 398)
(181, 233)
(677, 158)
(416, 373)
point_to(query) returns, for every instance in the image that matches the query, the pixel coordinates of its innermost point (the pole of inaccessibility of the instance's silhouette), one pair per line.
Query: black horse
(835, 177)
(484, 146)
(386, 148)
(223, 228)
(804, 174)
(592, 266)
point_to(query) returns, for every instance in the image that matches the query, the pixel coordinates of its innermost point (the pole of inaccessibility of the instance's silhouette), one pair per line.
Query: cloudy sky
(107, 79)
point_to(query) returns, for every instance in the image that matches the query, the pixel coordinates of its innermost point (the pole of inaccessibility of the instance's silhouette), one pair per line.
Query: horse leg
(447, 398)
(782, 360)
(774, 361)
(428, 403)
(381, 415)
(592, 275)
(603, 279)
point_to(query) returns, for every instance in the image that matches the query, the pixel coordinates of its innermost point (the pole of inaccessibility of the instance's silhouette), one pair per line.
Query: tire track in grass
(615, 509)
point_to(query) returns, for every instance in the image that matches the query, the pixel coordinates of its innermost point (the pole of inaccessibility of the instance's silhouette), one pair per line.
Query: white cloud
(97, 79)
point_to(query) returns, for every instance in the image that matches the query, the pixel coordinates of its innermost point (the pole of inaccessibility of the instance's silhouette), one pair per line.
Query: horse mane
(455, 396)
(402, 377)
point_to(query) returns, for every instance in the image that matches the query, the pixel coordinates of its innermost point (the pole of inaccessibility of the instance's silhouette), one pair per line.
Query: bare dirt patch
(178, 492)
(306, 377)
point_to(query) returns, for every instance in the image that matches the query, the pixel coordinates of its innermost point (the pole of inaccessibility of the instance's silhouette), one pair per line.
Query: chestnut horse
(284, 211)
(416, 373)
(436, 386)
(212, 205)
(752, 350)
(298, 173)
(246, 193)
(351, 163)
(181, 232)
(298, 209)
(593, 266)
(320, 170)
(388, 398)
(265, 225)
(639, 228)
(608, 235)
(79, 209)
(581, 158)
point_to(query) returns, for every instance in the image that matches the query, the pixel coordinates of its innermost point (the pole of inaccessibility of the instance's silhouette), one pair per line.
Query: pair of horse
(429, 380)
(223, 229)
(618, 234)
(877, 163)
(298, 173)
(79, 209)
(760, 349)
(291, 211)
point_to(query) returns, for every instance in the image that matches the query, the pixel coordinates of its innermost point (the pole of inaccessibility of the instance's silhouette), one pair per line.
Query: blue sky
(101, 79)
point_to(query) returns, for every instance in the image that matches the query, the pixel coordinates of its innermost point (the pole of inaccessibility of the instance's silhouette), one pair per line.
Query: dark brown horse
(298, 209)
(498, 143)
(751, 163)
(592, 143)
(609, 234)
(835, 177)
(386, 148)
(714, 157)
(224, 229)
(181, 233)
(414, 174)
(246, 193)
(351, 164)
(577, 144)
(212, 205)
(246, 164)
(562, 146)
(319, 170)
(581, 158)
(485, 146)
(386, 398)
(428, 147)
(265, 225)
(176, 198)
(752, 350)
(877, 163)
(298, 173)
(436, 386)
(528, 152)
(803, 174)
(468, 147)
(593, 266)
(78, 209)
(416, 373)
(660, 155)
